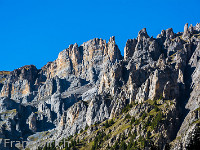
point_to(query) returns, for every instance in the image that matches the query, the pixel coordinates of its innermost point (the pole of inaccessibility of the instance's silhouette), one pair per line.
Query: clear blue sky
(35, 31)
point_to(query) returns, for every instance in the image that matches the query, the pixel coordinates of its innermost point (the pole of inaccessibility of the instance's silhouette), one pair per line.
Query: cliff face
(91, 83)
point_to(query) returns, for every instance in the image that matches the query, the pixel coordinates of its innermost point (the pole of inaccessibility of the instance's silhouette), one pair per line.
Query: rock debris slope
(151, 95)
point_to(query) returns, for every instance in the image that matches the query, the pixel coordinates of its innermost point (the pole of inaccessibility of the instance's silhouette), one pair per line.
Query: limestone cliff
(151, 95)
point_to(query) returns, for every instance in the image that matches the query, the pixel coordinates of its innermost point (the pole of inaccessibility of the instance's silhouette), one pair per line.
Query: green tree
(45, 147)
(127, 116)
(111, 122)
(148, 134)
(132, 120)
(67, 148)
(78, 141)
(86, 127)
(156, 108)
(116, 146)
(39, 148)
(136, 122)
(123, 146)
(134, 144)
(144, 116)
(130, 144)
(106, 124)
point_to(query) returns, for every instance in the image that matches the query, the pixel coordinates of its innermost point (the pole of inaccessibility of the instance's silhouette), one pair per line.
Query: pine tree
(123, 146)
(106, 124)
(45, 147)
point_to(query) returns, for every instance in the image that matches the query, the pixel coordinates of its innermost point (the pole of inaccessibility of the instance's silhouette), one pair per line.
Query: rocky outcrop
(129, 48)
(32, 122)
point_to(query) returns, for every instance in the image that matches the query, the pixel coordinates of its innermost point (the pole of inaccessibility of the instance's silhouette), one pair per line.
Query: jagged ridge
(91, 83)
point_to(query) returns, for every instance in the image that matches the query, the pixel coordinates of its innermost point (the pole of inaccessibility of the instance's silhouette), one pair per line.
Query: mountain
(96, 98)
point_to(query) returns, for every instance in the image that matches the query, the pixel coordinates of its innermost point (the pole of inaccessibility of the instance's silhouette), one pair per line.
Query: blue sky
(35, 31)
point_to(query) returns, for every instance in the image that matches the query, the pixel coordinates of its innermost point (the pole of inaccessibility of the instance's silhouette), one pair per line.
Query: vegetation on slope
(128, 131)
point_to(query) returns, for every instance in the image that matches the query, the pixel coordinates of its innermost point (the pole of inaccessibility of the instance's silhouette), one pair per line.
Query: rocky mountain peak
(28, 72)
(186, 31)
(112, 39)
(142, 34)
(197, 27)
(129, 48)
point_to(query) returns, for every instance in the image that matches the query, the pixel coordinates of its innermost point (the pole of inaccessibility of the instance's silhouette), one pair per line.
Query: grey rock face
(129, 48)
(91, 83)
(186, 30)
